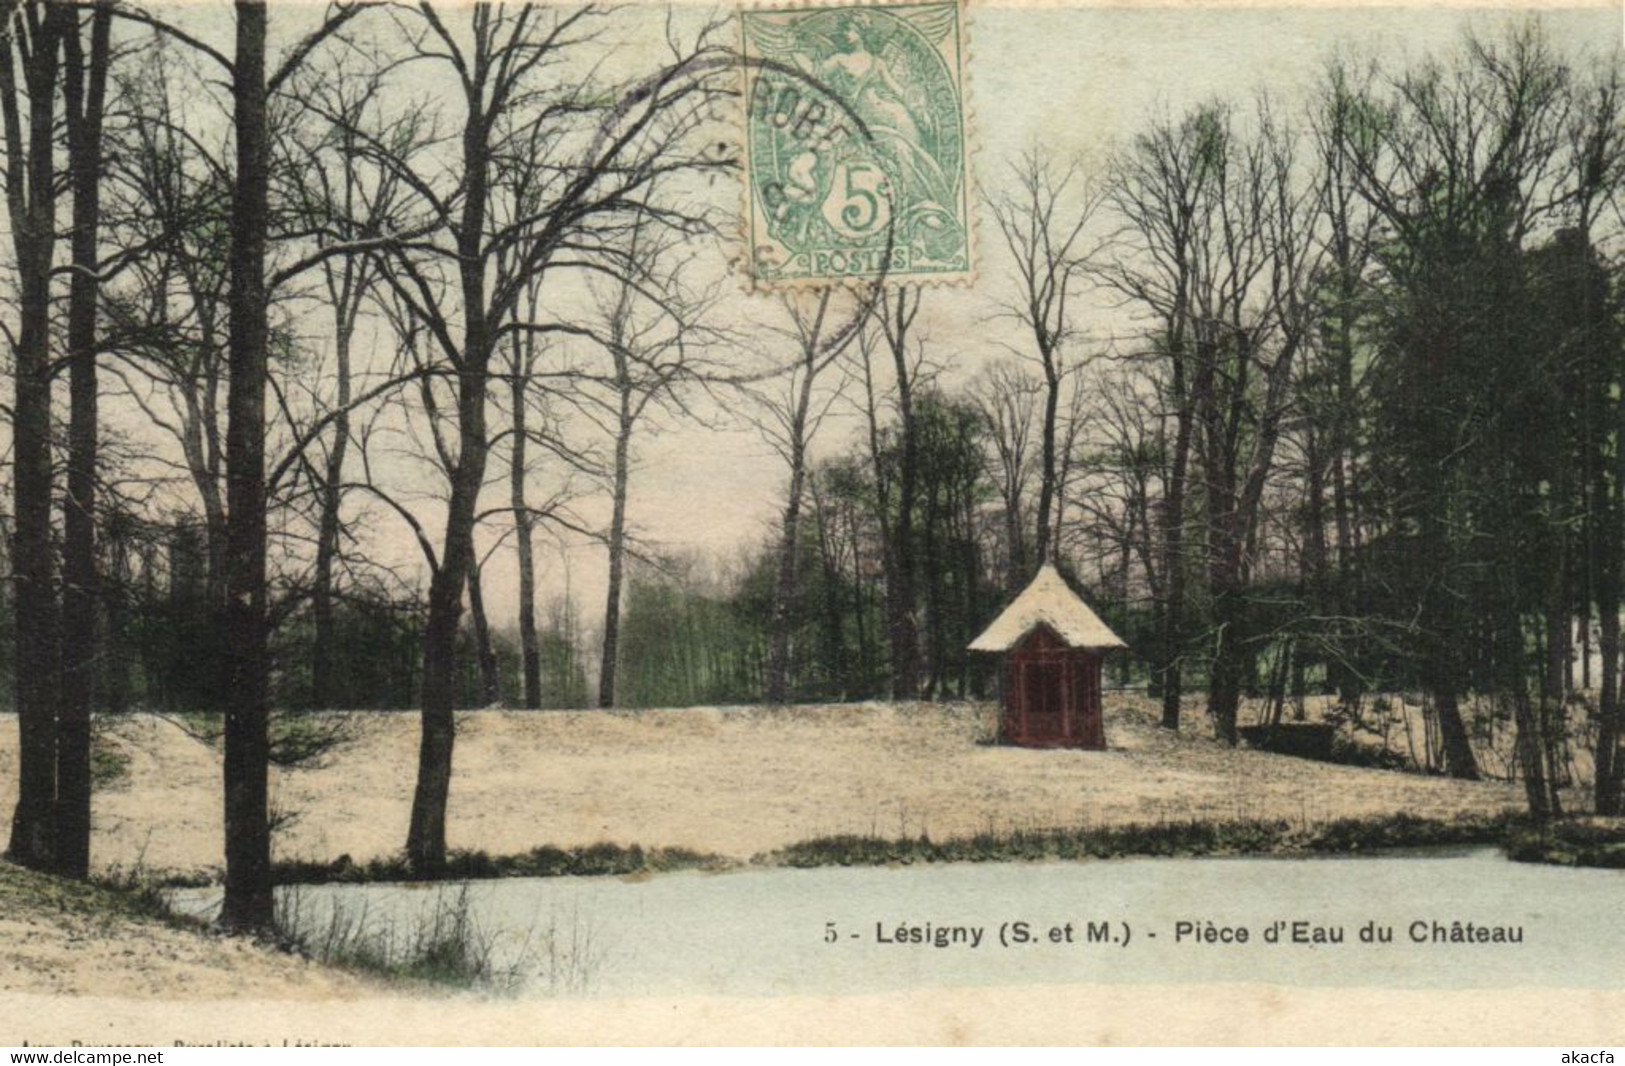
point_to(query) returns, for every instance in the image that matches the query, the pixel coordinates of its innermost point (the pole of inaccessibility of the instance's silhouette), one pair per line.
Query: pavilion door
(1043, 692)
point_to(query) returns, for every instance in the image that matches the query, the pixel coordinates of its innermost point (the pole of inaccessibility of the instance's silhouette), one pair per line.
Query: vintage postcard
(926, 522)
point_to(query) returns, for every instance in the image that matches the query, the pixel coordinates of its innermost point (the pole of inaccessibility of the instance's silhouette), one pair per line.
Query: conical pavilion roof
(1049, 601)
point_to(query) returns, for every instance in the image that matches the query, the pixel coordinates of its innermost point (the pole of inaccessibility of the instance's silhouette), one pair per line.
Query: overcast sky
(1076, 80)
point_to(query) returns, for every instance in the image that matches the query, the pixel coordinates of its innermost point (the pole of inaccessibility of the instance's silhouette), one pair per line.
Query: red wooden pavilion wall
(1052, 694)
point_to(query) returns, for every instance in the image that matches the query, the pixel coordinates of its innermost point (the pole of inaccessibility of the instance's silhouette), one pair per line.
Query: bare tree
(1007, 396)
(31, 47)
(169, 194)
(1216, 250)
(521, 368)
(85, 93)
(789, 422)
(538, 391)
(1043, 223)
(546, 168)
(889, 322)
(342, 201)
(1155, 192)
(652, 328)
(248, 903)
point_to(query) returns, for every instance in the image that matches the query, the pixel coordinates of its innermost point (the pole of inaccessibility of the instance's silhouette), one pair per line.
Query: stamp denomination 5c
(856, 144)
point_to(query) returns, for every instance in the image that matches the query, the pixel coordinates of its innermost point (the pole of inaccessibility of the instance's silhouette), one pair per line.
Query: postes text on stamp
(856, 144)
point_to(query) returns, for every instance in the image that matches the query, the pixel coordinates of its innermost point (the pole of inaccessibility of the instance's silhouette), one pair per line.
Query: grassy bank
(116, 939)
(1347, 836)
(107, 900)
(1167, 839)
(593, 860)
(1571, 842)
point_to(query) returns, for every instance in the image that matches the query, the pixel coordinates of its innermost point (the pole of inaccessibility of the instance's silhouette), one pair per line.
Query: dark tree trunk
(1531, 759)
(1047, 481)
(1016, 570)
(1173, 555)
(1343, 443)
(1442, 633)
(1606, 791)
(784, 590)
(85, 87)
(832, 615)
(31, 196)
(901, 630)
(609, 664)
(323, 694)
(1226, 677)
(490, 674)
(1609, 545)
(784, 587)
(1550, 714)
(1459, 760)
(1126, 556)
(116, 679)
(248, 901)
(426, 836)
(935, 646)
(529, 645)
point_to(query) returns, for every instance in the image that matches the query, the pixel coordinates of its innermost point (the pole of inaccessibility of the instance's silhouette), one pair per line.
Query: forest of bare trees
(1313, 395)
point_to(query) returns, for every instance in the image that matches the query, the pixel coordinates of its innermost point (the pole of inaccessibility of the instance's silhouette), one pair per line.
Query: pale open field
(735, 782)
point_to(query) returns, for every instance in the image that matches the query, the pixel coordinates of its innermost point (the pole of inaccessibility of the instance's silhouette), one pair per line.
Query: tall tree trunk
(248, 900)
(116, 679)
(1609, 546)
(85, 89)
(784, 587)
(1441, 652)
(1314, 576)
(1531, 757)
(1605, 788)
(1173, 554)
(1047, 478)
(1016, 574)
(1550, 717)
(327, 543)
(1344, 423)
(426, 835)
(524, 524)
(609, 662)
(935, 645)
(1125, 560)
(31, 194)
(1225, 680)
(901, 630)
(490, 674)
(836, 668)
(1453, 730)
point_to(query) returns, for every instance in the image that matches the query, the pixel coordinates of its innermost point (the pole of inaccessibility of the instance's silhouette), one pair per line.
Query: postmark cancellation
(856, 145)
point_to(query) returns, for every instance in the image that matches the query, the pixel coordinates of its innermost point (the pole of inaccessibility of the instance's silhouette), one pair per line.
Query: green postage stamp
(856, 144)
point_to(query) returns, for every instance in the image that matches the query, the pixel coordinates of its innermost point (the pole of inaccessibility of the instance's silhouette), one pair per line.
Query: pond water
(1443, 919)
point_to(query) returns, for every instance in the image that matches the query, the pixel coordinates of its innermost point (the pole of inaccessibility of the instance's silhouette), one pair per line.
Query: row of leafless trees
(242, 218)
(1333, 386)
(1330, 385)
(1369, 422)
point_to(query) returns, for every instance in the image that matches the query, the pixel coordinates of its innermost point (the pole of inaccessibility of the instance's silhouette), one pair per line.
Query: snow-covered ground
(732, 781)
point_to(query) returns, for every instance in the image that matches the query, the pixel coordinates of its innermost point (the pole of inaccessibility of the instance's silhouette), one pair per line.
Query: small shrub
(109, 763)
(445, 947)
(1348, 752)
